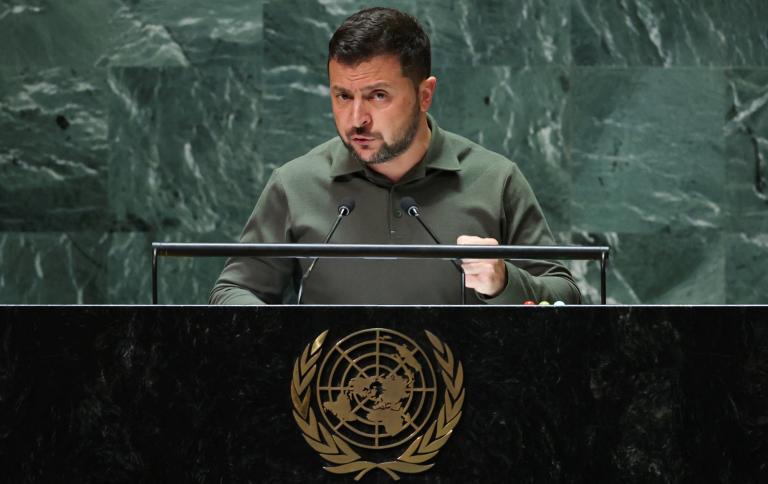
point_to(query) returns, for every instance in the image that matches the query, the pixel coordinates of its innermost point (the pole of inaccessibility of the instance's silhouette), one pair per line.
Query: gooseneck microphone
(409, 206)
(345, 208)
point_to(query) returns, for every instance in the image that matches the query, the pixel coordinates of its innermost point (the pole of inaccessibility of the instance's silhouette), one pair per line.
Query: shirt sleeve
(523, 223)
(250, 280)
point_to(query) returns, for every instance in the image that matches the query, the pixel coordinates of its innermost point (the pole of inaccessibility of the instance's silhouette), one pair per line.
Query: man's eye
(342, 97)
(379, 95)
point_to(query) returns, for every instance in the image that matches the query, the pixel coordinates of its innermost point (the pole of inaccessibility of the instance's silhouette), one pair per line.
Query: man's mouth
(363, 139)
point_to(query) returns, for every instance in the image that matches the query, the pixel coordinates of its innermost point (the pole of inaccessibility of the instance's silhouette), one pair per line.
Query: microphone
(345, 207)
(409, 206)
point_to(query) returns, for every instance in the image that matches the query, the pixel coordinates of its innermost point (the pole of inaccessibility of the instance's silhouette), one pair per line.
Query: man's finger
(477, 261)
(474, 267)
(474, 240)
(468, 240)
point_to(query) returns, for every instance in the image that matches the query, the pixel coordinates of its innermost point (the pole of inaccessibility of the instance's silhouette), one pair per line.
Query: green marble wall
(642, 124)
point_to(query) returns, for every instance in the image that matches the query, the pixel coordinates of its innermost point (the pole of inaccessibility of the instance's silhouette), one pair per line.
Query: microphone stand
(344, 210)
(413, 211)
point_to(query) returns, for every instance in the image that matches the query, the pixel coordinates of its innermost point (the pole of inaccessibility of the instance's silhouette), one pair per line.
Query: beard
(388, 151)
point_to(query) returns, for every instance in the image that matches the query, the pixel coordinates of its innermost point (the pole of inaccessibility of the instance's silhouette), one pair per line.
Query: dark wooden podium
(204, 394)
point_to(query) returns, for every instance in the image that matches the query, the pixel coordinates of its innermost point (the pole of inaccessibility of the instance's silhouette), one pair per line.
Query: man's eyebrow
(372, 87)
(378, 85)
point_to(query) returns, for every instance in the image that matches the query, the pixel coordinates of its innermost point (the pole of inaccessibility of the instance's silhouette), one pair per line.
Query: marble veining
(642, 161)
(52, 268)
(53, 147)
(746, 134)
(669, 33)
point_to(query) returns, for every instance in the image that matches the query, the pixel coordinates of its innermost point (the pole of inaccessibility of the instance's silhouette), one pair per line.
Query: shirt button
(398, 213)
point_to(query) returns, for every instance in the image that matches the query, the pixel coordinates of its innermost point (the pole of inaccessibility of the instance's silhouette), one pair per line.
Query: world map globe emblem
(376, 388)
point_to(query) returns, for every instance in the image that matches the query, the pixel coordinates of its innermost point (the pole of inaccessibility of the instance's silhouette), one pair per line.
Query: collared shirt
(461, 188)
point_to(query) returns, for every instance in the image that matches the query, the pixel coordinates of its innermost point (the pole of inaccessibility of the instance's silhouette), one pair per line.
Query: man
(379, 67)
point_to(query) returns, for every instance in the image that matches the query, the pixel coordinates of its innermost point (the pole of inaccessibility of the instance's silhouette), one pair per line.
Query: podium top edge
(380, 250)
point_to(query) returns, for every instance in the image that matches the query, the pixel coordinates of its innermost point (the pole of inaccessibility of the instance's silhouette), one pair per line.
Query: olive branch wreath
(336, 451)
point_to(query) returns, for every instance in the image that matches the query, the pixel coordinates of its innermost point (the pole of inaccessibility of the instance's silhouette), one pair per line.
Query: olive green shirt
(461, 188)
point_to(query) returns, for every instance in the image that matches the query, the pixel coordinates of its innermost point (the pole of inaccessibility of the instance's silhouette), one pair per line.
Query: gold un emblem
(376, 391)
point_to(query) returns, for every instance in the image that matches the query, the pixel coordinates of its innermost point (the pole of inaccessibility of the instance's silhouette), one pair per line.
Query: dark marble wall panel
(316, 22)
(669, 33)
(647, 149)
(53, 150)
(297, 111)
(744, 29)
(37, 34)
(686, 266)
(185, 147)
(520, 33)
(746, 278)
(746, 142)
(53, 268)
(192, 32)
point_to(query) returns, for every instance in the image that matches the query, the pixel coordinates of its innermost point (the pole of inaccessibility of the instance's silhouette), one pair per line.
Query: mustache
(363, 132)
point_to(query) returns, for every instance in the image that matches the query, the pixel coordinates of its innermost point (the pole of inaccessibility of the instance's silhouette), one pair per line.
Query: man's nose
(360, 115)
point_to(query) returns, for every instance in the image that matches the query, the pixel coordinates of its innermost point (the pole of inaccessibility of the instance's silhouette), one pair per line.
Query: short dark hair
(383, 31)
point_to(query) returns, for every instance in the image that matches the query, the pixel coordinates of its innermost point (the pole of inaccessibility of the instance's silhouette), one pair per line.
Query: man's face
(376, 108)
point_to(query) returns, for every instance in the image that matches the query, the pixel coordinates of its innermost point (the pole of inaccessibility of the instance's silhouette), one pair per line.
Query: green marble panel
(193, 32)
(462, 32)
(37, 34)
(744, 28)
(746, 272)
(747, 150)
(518, 113)
(186, 148)
(669, 33)
(181, 280)
(53, 268)
(53, 150)
(297, 112)
(520, 33)
(647, 148)
(678, 266)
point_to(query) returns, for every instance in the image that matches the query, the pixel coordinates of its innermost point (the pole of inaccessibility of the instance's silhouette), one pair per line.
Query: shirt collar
(438, 156)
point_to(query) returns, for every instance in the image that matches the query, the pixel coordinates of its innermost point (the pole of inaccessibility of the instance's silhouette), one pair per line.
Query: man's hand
(486, 276)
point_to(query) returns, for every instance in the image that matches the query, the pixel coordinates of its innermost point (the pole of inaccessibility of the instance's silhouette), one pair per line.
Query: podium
(550, 394)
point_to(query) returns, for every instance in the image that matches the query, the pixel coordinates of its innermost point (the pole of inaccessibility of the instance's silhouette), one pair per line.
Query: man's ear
(427, 92)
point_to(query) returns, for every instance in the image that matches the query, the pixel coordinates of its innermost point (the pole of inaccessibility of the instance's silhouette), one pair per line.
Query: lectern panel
(422, 394)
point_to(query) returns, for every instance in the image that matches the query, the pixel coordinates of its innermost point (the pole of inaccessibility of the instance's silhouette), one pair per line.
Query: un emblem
(376, 389)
